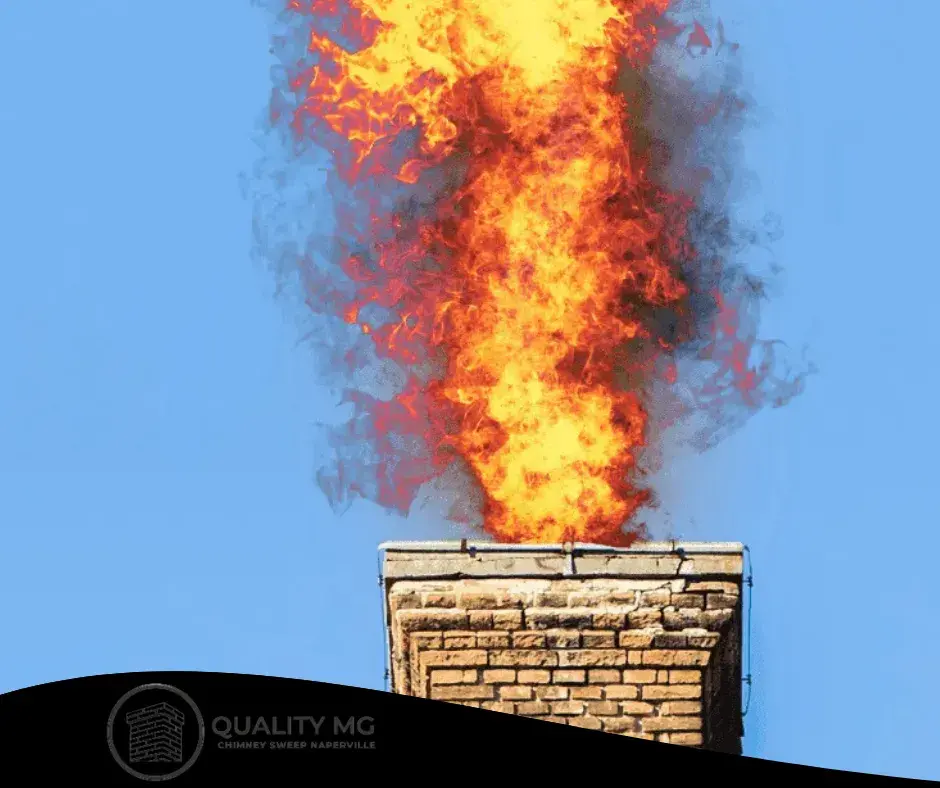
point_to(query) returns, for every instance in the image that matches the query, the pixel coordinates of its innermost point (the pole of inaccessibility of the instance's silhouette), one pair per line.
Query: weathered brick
(634, 657)
(499, 705)
(533, 708)
(534, 676)
(576, 658)
(493, 640)
(478, 600)
(684, 618)
(716, 619)
(609, 620)
(681, 658)
(672, 691)
(685, 676)
(473, 704)
(460, 639)
(688, 601)
(603, 708)
(596, 639)
(719, 601)
(621, 692)
(499, 676)
(524, 657)
(549, 618)
(678, 707)
(402, 601)
(463, 692)
(427, 640)
(528, 640)
(637, 708)
(657, 598)
(507, 619)
(438, 599)
(714, 585)
(635, 639)
(651, 724)
(551, 599)
(603, 676)
(552, 693)
(480, 619)
(587, 693)
(563, 638)
(645, 617)
(457, 659)
(432, 619)
(662, 676)
(453, 676)
(703, 640)
(586, 721)
(639, 677)
(670, 640)
(620, 724)
(567, 707)
(515, 692)
(688, 739)
(569, 676)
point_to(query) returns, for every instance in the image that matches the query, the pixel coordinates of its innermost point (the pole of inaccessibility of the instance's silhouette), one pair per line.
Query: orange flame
(558, 246)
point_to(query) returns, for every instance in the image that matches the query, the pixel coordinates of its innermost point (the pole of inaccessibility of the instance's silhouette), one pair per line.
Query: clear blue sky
(157, 507)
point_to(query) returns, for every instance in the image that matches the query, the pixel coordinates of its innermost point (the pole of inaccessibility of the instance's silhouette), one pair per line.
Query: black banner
(190, 728)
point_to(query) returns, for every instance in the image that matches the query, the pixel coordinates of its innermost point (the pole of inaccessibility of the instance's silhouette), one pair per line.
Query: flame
(554, 261)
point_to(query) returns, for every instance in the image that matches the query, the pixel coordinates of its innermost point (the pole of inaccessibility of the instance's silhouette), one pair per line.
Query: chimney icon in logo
(156, 734)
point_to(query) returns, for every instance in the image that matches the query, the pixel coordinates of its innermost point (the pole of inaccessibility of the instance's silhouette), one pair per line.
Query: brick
(657, 598)
(480, 619)
(587, 693)
(670, 640)
(645, 617)
(523, 657)
(463, 692)
(567, 707)
(553, 693)
(620, 724)
(637, 708)
(478, 600)
(507, 619)
(473, 704)
(399, 601)
(635, 639)
(688, 601)
(604, 708)
(685, 676)
(662, 676)
(678, 707)
(603, 676)
(592, 657)
(499, 705)
(678, 658)
(499, 676)
(551, 599)
(534, 676)
(595, 639)
(438, 599)
(684, 618)
(546, 618)
(493, 640)
(563, 638)
(569, 676)
(689, 739)
(427, 640)
(467, 659)
(610, 620)
(591, 723)
(533, 708)
(651, 724)
(528, 640)
(414, 620)
(672, 692)
(453, 676)
(719, 601)
(716, 619)
(703, 640)
(459, 639)
(639, 677)
(515, 692)
(634, 657)
(714, 585)
(621, 692)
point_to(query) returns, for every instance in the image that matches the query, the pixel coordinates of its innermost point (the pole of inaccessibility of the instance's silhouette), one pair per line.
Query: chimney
(643, 641)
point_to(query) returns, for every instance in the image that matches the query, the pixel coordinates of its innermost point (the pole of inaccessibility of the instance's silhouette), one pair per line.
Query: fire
(547, 284)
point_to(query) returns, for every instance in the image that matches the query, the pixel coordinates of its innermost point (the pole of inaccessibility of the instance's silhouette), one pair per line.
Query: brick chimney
(644, 641)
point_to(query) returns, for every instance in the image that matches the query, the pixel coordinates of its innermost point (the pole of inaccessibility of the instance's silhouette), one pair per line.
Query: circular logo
(155, 732)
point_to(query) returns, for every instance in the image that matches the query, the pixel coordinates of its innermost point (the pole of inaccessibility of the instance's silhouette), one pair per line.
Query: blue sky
(157, 505)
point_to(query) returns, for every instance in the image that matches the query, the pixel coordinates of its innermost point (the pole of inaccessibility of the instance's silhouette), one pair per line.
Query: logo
(156, 732)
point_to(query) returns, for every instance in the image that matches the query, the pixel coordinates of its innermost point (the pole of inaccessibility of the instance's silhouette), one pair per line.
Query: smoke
(337, 229)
